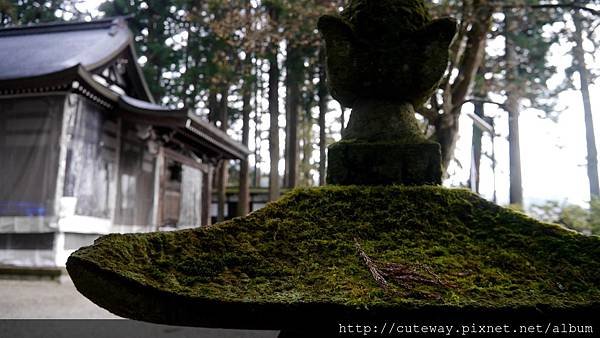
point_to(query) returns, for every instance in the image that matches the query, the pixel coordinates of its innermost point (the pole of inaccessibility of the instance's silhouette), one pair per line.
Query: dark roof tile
(43, 49)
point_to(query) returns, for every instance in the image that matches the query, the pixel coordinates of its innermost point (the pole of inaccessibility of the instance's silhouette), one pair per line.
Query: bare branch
(430, 114)
(571, 5)
(474, 52)
(473, 100)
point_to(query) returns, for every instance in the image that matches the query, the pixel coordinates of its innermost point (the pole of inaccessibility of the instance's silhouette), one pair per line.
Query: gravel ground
(48, 299)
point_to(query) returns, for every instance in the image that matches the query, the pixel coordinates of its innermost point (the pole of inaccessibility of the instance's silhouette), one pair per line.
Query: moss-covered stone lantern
(321, 257)
(384, 59)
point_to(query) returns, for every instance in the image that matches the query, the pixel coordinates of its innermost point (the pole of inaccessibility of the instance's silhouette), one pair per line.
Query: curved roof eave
(42, 82)
(180, 119)
(112, 55)
(127, 46)
(209, 132)
(151, 113)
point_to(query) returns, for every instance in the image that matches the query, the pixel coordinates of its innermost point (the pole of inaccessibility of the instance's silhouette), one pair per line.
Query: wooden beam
(172, 154)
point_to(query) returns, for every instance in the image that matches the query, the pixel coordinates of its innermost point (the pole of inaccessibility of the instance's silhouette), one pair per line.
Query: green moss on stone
(298, 254)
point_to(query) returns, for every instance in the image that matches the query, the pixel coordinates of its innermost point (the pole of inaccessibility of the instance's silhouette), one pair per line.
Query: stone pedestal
(363, 163)
(383, 145)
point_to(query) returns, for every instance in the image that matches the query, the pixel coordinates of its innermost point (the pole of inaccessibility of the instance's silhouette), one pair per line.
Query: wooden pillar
(207, 179)
(159, 174)
(69, 113)
(244, 193)
(221, 190)
(117, 182)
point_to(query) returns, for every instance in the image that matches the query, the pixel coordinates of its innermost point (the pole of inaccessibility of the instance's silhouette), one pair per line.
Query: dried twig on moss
(404, 274)
(371, 265)
(435, 276)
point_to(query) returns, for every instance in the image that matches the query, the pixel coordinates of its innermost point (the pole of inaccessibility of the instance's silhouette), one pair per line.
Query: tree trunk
(592, 154)
(257, 118)
(516, 187)
(343, 120)
(323, 97)
(213, 105)
(446, 131)
(476, 149)
(446, 124)
(244, 193)
(480, 91)
(187, 99)
(292, 82)
(307, 146)
(274, 128)
(512, 105)
(224, 167)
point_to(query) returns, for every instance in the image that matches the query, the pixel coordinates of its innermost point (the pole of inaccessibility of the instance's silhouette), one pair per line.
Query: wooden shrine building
(85, 150)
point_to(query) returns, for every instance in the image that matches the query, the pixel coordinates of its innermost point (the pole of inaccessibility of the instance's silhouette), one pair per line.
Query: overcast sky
(553, 154)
